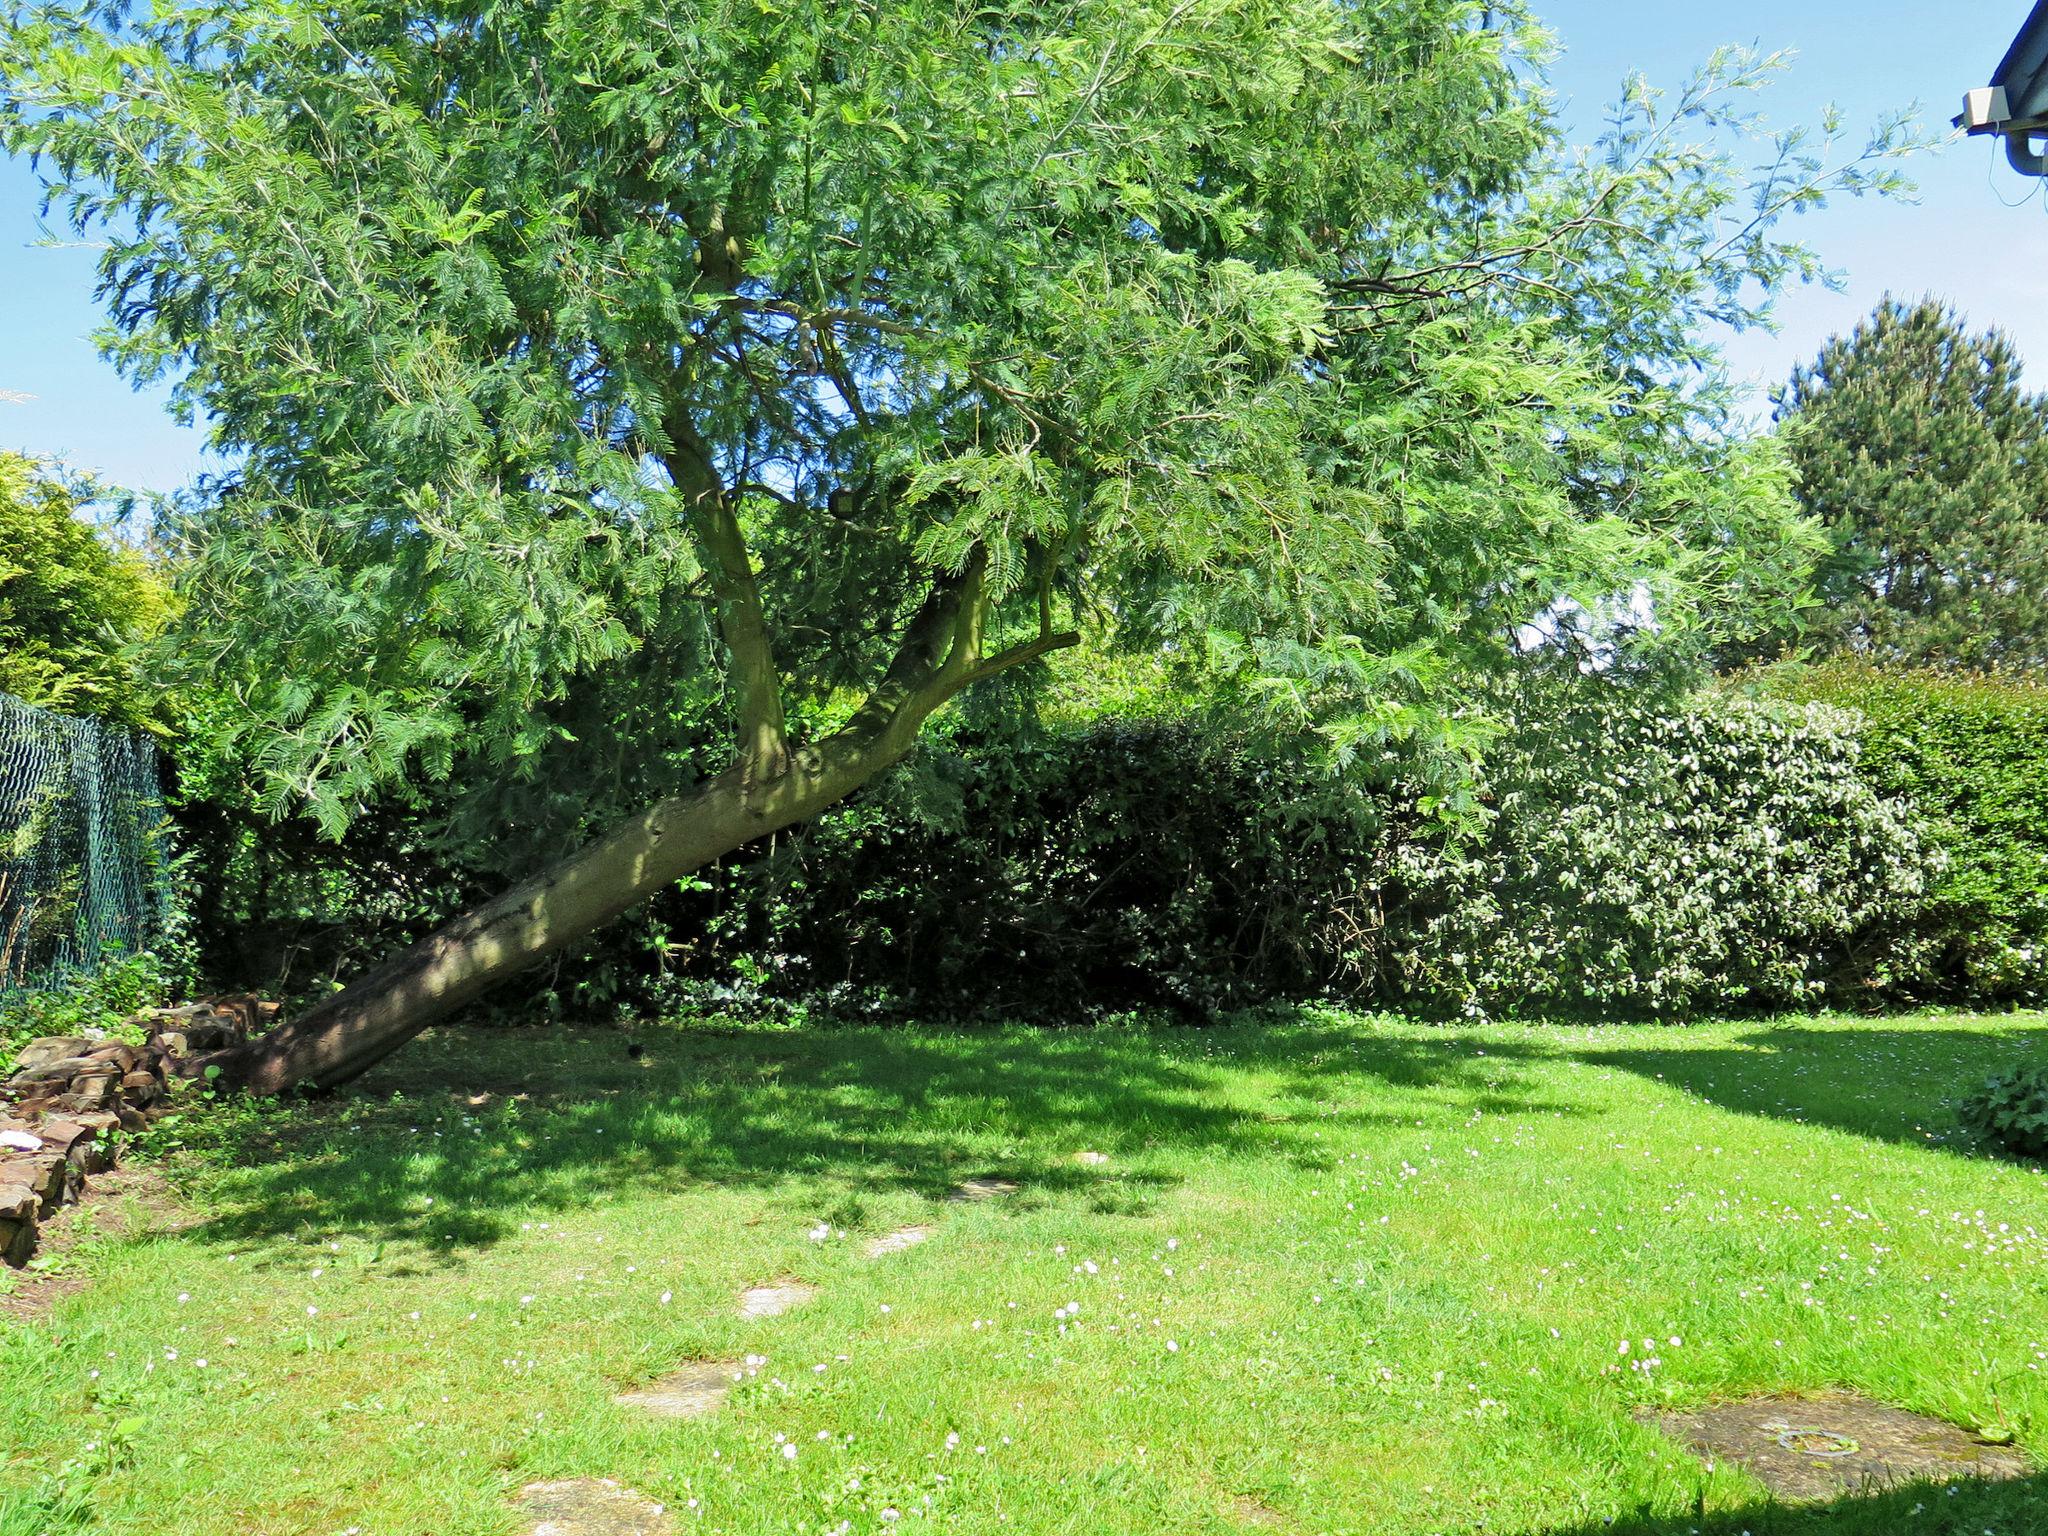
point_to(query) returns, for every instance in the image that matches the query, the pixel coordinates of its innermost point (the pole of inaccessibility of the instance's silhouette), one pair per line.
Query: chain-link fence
(83, 873)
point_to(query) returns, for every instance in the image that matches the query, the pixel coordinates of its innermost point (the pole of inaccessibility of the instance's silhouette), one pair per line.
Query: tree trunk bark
(387, 1006)
(940, 656)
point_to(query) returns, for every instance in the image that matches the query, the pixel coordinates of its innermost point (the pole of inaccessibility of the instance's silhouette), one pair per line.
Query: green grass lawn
(1339, 1276)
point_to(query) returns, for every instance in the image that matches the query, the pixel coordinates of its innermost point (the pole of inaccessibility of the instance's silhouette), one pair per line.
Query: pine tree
(1920, 450)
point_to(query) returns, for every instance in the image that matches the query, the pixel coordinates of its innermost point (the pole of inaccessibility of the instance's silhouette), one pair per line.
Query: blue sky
(1964, 241)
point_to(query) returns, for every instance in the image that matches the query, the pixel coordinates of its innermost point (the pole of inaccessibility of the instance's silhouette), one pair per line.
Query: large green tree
(74, 604)
(848, 355)
(1918, 446)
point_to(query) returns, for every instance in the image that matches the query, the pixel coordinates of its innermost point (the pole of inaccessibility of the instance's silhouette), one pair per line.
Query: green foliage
(1289, 334)
(1969, 754)
(73, 604)
(1875, 837)
(2011, 1111)
(1918, 447)
(1623, 855)
(1163, 863)
(1665, 861)
(1643, 1186)
(99, 1002)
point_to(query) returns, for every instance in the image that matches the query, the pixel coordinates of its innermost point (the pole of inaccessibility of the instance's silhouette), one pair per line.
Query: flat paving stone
(974, 1191)
(1091, 1159)
(1815, 1448)
(1247, 1510)
(775, 1298)
(694, 1392)
(592, 1506)
(896, 1242)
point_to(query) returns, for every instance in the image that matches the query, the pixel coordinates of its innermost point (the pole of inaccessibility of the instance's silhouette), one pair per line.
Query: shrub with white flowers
(1663, 859)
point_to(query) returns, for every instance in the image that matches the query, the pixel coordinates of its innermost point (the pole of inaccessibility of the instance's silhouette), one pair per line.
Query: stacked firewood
(67, 1102)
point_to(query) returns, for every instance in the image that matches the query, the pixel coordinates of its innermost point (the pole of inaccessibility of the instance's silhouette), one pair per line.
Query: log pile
(70, 1098)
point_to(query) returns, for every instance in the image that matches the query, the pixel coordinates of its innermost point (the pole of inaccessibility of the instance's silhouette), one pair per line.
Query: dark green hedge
(1630, 861)
(1156, 864)
(1969, 753)
(1800, 837)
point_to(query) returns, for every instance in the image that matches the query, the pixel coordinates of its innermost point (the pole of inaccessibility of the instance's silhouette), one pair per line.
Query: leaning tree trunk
(770, 787)
(390, 1004)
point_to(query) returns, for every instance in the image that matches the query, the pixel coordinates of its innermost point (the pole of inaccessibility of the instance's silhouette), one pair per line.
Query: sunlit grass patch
(1359, 1275)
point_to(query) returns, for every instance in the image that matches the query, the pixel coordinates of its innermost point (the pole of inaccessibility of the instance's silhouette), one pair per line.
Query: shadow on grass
(456, 1137)
(453, 1139)
(1890, 1083)
(1965, 1508)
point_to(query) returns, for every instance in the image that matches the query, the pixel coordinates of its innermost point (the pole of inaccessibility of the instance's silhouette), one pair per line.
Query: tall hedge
(1630, 860)
(1795, 837)
(1154, 864)
(1653, 861)
(1969, 753)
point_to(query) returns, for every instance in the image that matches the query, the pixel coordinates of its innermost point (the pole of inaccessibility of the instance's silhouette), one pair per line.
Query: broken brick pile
(67, 1102)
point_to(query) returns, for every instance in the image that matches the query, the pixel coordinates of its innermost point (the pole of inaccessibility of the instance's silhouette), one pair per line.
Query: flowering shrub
(1663, 860)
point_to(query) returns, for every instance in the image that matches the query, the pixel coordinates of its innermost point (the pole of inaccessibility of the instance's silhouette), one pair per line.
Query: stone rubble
(70, 1099)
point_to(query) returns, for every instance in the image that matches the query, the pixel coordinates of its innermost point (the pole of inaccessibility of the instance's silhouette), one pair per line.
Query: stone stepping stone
(775, 1298)
(1092, 1159)
(1247, 1510)
(975, 1191)
(896, 1242)
(592, 1506)
(694, 1392)
(1807, 1449)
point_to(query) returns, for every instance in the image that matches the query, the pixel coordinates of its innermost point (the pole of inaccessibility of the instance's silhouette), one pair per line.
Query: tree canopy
(831, 359)
(1286, 333)
(73, 604)
(1921, 451)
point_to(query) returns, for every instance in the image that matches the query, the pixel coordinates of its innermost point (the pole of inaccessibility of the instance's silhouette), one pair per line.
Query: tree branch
(762, 735)
(920, 657)
(940, 657)
(1042, 645)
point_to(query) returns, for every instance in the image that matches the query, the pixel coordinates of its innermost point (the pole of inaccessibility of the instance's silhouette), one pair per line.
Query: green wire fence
(84, 873)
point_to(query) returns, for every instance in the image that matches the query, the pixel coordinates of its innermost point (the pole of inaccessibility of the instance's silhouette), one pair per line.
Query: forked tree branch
(941, 656)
